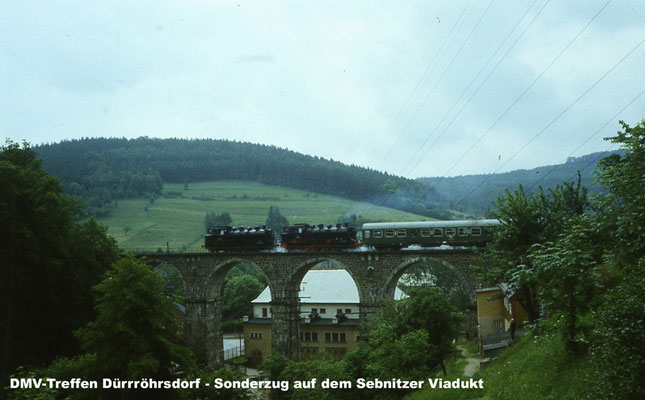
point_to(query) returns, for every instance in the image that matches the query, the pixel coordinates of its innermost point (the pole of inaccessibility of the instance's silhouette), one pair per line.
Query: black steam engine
(299, 236)
(226, 238)
(319, 237)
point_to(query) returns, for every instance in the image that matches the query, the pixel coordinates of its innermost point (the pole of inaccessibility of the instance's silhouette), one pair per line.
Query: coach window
(378, 233)
(437, 232)
(425, 232)
(367, 234)
(476, 231)
(450, 231)
(462, 231)
(400, 233)
(389, 233)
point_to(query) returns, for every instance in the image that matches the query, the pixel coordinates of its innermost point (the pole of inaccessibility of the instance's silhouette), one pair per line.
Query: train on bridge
(380, 236)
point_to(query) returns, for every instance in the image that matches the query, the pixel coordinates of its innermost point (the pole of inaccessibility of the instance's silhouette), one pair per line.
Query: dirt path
(473, 363)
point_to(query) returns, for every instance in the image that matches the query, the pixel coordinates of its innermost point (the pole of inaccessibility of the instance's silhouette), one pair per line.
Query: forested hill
(99, 171)
(457, 190)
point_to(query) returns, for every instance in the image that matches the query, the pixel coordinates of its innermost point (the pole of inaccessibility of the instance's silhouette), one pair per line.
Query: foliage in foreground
(49, 261)
(591, 274)
(409, 340)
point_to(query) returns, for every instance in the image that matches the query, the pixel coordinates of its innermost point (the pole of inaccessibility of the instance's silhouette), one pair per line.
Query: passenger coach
(396, 235)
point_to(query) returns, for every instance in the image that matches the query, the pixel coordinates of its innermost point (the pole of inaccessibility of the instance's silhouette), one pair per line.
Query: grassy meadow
(177, 218)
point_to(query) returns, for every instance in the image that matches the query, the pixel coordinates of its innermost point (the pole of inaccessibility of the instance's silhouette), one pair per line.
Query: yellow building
(329, 317)
(496, 307)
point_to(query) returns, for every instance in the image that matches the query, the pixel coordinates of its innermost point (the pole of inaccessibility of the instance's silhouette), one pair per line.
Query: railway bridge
(375, 274)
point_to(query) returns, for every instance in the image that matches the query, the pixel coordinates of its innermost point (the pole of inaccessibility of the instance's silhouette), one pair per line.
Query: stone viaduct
(375, 274)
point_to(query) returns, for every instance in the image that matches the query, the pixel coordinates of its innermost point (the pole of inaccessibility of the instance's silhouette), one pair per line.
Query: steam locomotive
(381, 236)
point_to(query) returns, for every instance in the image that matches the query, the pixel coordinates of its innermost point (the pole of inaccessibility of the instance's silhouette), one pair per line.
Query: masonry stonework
(375, 273)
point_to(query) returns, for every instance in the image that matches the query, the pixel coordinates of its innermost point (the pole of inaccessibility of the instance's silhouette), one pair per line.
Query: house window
(309, 336)
(335, 337)
(256, 335)
(437, 232)
(400, 233)
(425, 232)
(378, 233)
(265, 312)
(462, 231)
(323, 311)
(314, 311)
(348, 311)
(389, 233)
(476, 231)
(339, 311)
(498, 325)
(450, 231)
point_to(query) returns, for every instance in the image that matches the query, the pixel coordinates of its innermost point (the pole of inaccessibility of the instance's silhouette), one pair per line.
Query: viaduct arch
(375, 273)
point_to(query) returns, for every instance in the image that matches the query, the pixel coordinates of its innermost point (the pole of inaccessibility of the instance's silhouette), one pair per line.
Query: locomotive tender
(381, 236)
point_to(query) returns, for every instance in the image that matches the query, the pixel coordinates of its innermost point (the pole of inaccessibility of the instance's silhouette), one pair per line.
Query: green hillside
(177, 217)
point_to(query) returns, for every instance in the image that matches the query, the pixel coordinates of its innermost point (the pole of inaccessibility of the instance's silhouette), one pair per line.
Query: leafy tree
(48, 262)
(565, 276)
(211, 220)
(621, 205)
(616, 347)
(528, 219)
(239, 291)
(275, 220)
(136, 334)
(430, 273)
(410, 337)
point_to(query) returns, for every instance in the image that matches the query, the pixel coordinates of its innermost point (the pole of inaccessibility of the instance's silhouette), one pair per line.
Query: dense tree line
(49, 262)
(454, 192)
(73, 306)
(101, 170)
(585, 260)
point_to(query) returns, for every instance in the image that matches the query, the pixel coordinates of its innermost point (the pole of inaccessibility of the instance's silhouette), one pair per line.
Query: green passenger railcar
(396, 235)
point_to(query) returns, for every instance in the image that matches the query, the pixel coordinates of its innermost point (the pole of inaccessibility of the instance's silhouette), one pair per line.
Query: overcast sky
(402, 86)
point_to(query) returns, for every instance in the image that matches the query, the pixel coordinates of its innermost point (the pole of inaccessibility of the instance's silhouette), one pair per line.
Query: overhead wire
(471, 83)
(421, 80)
(517, 99)
(610, 120)
(370, 212)
(556, 118)
(425, 100)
